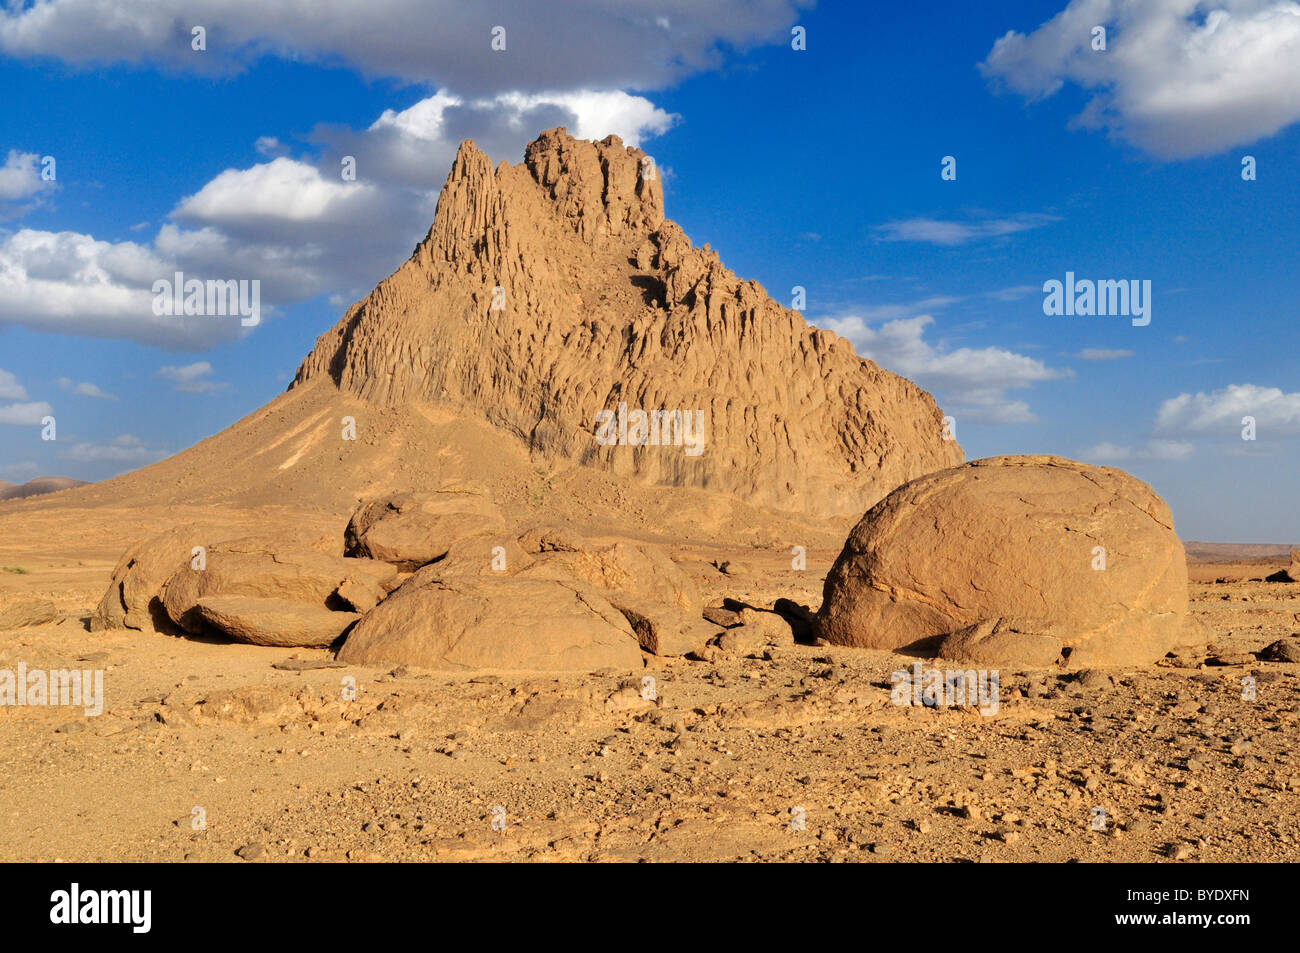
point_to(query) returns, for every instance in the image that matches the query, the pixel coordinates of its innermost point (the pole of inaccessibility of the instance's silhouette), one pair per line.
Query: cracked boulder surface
(1074, 564)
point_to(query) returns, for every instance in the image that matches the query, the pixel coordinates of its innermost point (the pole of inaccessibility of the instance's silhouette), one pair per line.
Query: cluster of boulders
(435, 580)
(1021, 561)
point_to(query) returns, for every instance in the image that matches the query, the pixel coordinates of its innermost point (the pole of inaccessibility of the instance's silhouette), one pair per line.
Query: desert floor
(281, 767)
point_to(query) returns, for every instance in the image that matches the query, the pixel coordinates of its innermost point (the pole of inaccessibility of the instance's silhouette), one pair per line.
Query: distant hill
(1236, 552)
(37, 487)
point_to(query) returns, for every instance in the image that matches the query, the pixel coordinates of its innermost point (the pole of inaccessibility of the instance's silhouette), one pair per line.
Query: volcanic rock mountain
(545, 293)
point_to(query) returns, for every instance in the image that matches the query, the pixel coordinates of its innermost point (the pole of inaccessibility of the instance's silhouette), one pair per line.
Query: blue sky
(817, 168)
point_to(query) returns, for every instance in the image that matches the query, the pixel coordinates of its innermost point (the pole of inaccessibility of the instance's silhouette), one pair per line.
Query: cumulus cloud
(280, 189)
(24, 414)
(20, 176)
(1183, 420)
(190, 378)
(633, 44)
(1220, 412)
(10, 389)
(292, 223)
(1178, 78)
(72, 283)
(84, 389)
(970, 382)
(947, 232)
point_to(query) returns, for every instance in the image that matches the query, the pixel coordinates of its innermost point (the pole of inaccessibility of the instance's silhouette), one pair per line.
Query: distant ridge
(37, 487)
(1232, 552)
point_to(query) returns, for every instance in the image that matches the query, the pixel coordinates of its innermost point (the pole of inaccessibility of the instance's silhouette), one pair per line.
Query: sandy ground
(208, 752)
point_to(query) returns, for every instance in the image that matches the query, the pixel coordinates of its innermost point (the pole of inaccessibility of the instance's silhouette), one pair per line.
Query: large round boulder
(1029, 560)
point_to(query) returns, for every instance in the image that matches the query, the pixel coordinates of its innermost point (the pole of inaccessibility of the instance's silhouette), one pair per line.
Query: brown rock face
(273, 621)
(660, 601)
(550, 291)
(259, 569)
(477, 622)
(411, 530)
(1016, 560)
(131, 600)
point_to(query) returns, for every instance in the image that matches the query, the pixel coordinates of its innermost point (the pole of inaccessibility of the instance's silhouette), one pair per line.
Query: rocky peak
(553, 291)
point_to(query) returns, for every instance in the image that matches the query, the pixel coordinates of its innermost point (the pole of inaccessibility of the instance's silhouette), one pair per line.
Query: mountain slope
(543, 294)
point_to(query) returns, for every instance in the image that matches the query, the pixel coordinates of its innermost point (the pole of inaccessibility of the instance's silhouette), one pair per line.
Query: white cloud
(84, 389)
(280, 189)
(1103, 354)
(443, 42)
(971, 382)
(25, 415)
(292, 223)
(71, 283)
(596, 113)
(20, 176)
(1220, 412)
(949, 233)
(10, 389)
(124, 449)
(1178, 78)
(415, 146)
(1149, 450)
(190, 378)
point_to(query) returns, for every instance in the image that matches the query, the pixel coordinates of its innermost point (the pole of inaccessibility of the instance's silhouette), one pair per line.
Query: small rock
(1283, 650)
(723, 617)
(1231, 658)
(307, 664)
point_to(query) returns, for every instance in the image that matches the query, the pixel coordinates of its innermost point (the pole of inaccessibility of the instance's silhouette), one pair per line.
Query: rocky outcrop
(554, 290)
(1016, 561)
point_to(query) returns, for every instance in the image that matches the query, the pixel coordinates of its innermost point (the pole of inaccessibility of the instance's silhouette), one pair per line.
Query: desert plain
(419, 607)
